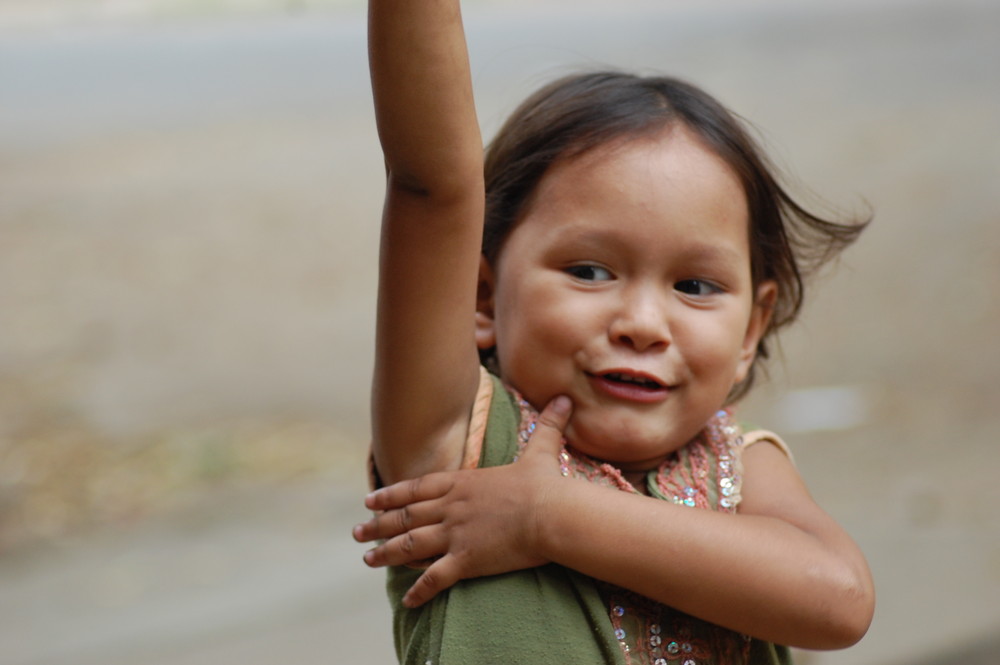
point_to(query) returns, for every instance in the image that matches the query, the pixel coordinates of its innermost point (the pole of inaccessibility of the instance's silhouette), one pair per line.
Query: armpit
(477, 430)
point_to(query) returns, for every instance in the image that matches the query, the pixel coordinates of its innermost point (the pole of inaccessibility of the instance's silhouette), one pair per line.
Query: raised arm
(426, 360)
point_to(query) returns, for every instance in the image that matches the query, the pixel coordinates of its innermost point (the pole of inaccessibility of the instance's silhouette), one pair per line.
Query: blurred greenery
(63, 478)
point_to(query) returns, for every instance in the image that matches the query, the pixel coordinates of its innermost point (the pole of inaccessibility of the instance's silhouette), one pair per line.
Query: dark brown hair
(580, 112)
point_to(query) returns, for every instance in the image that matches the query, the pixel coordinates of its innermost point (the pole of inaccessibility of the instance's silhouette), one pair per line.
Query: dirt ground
(188, 209)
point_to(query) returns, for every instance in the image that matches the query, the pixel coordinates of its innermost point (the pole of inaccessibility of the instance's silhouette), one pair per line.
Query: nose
(642, 322)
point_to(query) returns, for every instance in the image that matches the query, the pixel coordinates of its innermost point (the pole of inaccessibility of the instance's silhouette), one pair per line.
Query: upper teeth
(615, 376)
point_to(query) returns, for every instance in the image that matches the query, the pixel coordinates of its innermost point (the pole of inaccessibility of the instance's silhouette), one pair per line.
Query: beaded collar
(705, 473)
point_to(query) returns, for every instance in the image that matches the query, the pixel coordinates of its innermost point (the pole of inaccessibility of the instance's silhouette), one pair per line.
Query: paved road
(185, 211)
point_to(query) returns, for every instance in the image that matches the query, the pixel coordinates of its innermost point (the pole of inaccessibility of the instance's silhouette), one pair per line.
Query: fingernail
(561, 404)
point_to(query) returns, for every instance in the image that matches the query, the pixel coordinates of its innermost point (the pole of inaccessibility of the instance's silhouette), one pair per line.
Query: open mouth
(630, 387)
(633, 380)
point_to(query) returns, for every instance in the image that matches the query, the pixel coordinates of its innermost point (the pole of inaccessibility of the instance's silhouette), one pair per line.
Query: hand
(472, 522)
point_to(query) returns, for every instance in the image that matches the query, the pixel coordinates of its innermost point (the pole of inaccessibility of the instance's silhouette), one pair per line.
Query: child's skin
(632, 259)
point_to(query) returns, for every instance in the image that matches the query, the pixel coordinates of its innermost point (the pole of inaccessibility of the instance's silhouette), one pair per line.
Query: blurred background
(189, 199)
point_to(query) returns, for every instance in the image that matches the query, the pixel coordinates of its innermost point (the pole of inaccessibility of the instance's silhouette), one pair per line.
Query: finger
(556, 413)
(441, 575)
(405, 492)
(395, 522)
(548, 435)
(410, 547)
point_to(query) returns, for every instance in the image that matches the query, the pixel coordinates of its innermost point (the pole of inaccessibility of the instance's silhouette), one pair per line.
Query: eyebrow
(712, 252)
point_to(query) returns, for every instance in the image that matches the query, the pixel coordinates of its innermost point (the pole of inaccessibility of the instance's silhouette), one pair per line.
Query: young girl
(636, 256)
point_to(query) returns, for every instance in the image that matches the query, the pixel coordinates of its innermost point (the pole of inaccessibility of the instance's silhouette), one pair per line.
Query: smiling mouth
(633, 380)
(630, 387)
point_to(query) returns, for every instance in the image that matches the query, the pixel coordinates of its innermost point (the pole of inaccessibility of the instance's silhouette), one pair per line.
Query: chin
(633, 450)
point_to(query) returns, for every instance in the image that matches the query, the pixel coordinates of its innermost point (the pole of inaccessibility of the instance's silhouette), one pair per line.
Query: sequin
(527, 432)
(704, 475)
(564, 463)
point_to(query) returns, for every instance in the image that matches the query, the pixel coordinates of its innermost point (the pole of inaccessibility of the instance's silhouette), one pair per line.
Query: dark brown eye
(590, 273)
(697, 287)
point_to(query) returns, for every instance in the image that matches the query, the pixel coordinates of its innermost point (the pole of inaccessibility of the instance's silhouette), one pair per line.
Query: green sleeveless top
(552, 614)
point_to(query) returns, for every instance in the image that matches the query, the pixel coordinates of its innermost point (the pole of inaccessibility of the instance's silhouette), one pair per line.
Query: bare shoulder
(773, 487)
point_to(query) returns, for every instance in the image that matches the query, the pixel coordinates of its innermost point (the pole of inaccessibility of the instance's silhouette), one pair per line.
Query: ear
(760, 317)
(486, 336)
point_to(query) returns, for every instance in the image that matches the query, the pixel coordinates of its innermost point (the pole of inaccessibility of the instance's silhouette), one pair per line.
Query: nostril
(643, 340)
(641, 328)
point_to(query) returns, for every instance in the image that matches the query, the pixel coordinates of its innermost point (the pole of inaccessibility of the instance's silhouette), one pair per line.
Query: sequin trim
(707, 473)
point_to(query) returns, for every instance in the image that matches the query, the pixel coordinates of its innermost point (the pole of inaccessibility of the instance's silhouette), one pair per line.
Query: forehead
(668, 182)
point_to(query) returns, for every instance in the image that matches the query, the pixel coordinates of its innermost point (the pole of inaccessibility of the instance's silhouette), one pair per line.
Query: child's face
(626, 285)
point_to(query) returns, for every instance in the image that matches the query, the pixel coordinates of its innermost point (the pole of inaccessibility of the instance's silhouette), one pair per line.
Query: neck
(638, 480)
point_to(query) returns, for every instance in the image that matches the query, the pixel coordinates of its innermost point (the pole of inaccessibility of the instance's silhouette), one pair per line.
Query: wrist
(553, 505)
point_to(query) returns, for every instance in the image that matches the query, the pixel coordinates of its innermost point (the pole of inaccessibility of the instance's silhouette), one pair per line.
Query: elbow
(445, 186)
(400, 180)
(854, 618)
(847, 615)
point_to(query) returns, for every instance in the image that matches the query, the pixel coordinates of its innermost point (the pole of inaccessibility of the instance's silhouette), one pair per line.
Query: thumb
(547, 437)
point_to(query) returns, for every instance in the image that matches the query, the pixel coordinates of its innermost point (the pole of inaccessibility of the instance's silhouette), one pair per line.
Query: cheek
(538, 307)
(715, 347)
(539, 330)
(531, 324)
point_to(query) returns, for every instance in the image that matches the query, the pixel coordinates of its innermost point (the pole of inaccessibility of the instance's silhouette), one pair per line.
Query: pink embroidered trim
(688, 477)
(706, 473)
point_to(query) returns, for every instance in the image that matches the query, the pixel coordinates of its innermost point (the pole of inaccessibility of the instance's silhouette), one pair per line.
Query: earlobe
(486, 337)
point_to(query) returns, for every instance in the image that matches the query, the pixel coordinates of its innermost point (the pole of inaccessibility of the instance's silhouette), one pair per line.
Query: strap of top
(477, 423)
(763, 435)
